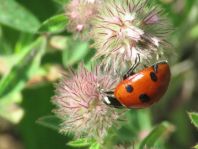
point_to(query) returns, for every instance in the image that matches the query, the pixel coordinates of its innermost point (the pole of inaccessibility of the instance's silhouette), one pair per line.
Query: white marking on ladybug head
(106, 100)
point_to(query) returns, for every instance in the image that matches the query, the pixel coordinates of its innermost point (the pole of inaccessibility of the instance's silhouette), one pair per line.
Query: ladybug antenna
(131, 70)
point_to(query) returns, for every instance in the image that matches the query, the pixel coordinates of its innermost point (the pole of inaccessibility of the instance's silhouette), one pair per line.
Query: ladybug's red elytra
(141, 89)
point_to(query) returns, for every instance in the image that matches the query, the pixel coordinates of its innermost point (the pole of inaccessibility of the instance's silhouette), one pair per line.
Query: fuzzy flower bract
(126, 28)
(79, 103)
(80, 14)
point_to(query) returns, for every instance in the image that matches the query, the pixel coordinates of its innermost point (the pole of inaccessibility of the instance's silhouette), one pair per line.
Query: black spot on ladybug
(129, 88)
(153, 76)
(144, 98)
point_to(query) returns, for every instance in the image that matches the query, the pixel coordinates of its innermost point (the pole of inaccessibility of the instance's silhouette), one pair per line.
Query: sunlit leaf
(16, 16)
(196, 146)
(194, 32)
(83, 142)
(11, 112)
(50, 121)
(54, 24)
(24, 40)
(58, 42)
(95, 146)
(194, 118)
(9, 108)
(23, 69)
(157, 133)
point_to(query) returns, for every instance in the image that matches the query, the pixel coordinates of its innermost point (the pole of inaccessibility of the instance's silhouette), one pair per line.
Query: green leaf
(61, 2)
(50, 121)
(83, 142)
(76, 50)
(23, 41)
(194, 118)
(95, 146)
(16, 16)
(54, 24)
(23, 69)
(157, 133)
(144, 115)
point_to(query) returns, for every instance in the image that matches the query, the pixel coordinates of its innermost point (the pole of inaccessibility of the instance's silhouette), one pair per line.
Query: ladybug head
(110, 100)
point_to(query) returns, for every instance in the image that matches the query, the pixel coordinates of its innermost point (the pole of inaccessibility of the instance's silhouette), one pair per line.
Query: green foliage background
(35, 46)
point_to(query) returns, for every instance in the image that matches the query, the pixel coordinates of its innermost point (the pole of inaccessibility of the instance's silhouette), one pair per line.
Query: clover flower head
(80, 14)
(123, 29)
(80, 106)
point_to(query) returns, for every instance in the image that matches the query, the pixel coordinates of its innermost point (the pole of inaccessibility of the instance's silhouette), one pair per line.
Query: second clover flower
(126, 28)
(80, 14)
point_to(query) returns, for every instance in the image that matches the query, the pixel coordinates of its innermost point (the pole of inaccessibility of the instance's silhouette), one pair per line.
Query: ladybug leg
(109, 93)
(155, 67)
(131, 70)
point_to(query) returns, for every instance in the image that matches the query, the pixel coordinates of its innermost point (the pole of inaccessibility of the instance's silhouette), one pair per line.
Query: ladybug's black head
(110, 100)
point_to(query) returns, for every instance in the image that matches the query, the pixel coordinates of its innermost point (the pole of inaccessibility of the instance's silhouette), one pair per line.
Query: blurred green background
(35, 48)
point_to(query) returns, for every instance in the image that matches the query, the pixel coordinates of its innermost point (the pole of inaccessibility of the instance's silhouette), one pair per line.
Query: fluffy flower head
(126, 28)
(80, 13)
(79, 103)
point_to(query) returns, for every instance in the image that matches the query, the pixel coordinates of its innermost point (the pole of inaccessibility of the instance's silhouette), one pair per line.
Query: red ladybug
(142, 89)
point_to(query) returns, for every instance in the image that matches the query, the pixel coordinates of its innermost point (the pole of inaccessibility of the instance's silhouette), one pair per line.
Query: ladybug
(141, 89)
